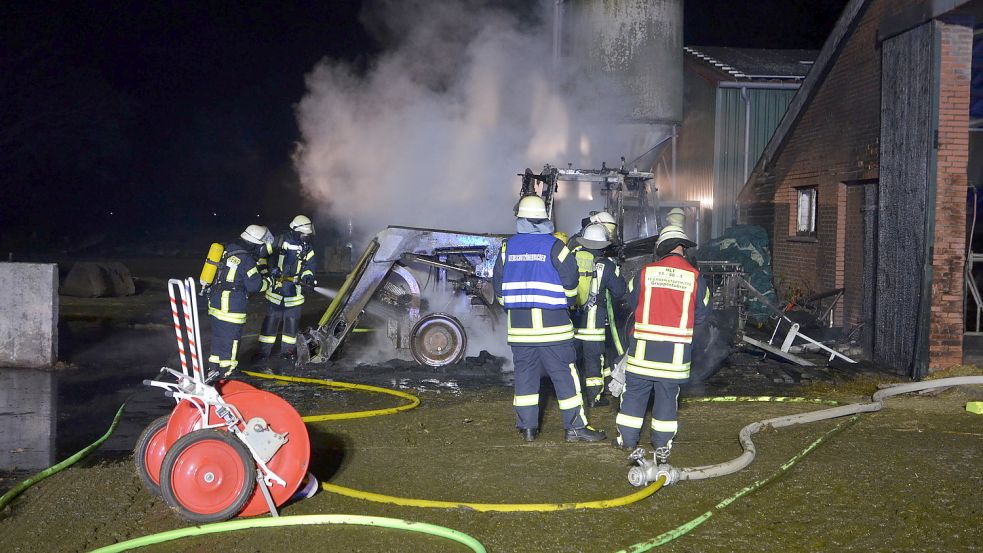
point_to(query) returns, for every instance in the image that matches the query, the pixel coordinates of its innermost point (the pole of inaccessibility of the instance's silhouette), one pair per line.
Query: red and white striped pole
(177, 323)
(190, 330)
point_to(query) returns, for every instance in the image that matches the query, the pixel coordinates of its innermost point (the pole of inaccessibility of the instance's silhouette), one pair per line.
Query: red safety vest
(666, 301)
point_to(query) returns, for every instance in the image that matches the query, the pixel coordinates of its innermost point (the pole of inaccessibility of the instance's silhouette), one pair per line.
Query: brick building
(863, 185)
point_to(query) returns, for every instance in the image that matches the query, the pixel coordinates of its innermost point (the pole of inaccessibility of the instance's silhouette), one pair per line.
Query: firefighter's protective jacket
(603, 277)
(669, 297)
(236, 278)
(535, 279)
(294, 258)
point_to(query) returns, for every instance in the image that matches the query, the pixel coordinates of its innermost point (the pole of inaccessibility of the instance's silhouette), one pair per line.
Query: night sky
(127, 116)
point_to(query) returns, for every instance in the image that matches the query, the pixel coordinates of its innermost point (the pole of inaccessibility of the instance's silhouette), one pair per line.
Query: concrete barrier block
(28, 418)
(29, 318)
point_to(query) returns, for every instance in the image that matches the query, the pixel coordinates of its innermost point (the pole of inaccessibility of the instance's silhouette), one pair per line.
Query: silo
(639, 43)
(629, 54)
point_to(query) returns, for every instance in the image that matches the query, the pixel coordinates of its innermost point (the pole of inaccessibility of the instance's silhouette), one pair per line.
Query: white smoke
(433, 132)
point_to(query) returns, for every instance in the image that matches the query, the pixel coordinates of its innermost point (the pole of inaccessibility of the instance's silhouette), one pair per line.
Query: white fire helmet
(595, 236)
(531, 206)
(257, 234)
(669, 238)
(676, 217)
(607, 220)
(302, 224)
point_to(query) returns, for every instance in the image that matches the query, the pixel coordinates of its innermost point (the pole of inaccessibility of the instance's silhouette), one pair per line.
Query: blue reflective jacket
(529, 279)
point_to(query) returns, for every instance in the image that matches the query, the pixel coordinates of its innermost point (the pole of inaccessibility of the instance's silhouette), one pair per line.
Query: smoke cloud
(433, 131)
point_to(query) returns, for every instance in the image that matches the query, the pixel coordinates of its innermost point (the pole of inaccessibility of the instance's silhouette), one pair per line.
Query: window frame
(800, 192)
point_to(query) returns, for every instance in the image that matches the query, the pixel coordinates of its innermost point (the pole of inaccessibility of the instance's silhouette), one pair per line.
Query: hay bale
(89, 279)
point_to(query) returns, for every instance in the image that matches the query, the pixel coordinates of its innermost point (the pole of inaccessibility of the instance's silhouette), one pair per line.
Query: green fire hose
(297, 520)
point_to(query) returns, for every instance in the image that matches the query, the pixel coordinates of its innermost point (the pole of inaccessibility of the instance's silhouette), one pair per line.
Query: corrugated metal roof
(756, 63)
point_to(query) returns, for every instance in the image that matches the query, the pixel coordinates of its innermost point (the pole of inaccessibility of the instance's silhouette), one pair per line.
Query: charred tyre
(438, 339)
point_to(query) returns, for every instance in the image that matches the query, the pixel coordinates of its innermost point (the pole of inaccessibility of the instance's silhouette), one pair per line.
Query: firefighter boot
(529, 434)
(585, 434)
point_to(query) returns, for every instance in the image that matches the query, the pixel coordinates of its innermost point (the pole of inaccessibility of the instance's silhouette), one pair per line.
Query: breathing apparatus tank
(212, 262)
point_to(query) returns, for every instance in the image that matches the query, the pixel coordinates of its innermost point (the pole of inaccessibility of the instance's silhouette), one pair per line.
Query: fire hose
(297, 520)
(648, 471)
(665, 474)
(662, 475)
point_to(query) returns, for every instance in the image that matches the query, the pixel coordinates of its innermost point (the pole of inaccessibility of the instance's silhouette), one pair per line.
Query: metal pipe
(675, 135)
(747, 129)
(773, 86)
(415, 258)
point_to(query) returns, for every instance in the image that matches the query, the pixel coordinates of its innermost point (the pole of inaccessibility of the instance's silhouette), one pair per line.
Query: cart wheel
(437, 340)
(149, 453)
(208, 476)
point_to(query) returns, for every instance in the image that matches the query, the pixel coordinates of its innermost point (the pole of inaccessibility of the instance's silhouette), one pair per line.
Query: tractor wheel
(438, 339)
(149, 453)
(208, 476)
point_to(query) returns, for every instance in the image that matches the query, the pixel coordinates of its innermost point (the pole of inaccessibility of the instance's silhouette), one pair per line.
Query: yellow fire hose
(412, 402)
(412, 399)
(430, 503)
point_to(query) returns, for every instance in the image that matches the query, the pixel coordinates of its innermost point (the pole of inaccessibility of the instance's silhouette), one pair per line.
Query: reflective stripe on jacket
(529, 279)
(605, 280)
(237, 277)
(536, 325)
(669, 298)
(295, 260)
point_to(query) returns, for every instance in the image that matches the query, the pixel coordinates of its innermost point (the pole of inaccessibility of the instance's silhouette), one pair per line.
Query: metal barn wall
(737, 145)
(905, 193)
(694, 150)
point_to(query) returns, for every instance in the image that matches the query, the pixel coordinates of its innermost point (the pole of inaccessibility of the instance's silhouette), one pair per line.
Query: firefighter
(535, 279)
(602, 217)
(676, 218)
(236, 278)
(291, 266)
(600, 282)
(668, 298)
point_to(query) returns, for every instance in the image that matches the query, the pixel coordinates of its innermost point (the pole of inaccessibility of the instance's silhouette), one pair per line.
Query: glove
(308, 280)
(617, 384)
(275, 272)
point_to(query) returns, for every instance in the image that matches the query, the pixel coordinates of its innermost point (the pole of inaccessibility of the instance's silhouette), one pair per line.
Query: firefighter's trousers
(225, 346)
(290, 316)
(590, 355)
(634, 401)
(558, 361)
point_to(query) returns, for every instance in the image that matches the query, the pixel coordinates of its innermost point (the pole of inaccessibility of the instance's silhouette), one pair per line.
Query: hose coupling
(647, 471)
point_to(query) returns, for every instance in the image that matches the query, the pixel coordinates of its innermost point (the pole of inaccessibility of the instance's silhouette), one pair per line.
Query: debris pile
(747, 245)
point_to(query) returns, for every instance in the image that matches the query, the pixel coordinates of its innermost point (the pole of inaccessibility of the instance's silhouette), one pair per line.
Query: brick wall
(836, 140)
(946, 326)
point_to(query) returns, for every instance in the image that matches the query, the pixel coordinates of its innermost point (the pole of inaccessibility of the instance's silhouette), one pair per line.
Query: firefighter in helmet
(237, 277)
(535, 279)
(668, 297)
(600, 282)
(291, 267)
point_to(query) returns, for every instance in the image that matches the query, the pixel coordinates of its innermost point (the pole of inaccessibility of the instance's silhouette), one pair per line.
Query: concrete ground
(904, 479)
